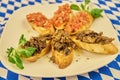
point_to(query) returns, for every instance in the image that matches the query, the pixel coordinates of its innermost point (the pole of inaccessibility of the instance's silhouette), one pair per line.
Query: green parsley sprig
(96, 12)
(15, 55)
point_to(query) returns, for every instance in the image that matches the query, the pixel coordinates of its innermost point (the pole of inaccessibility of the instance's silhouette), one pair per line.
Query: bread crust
(62, 49)
(61, 59)
(40, 23)
(109, 48)
(40, 54)
(41, 30)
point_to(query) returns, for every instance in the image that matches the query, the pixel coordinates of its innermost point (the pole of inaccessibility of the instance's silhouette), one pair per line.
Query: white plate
(83, 61)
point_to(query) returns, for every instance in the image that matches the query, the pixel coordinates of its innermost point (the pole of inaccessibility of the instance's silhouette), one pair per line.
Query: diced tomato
(48, 24)
(37, 18)
(62, 15)
(79, 20)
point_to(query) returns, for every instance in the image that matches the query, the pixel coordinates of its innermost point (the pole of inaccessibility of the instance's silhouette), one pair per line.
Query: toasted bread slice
(98, 48)
(95, 42)
(61, 16)
(61, 59)
(42, 45)
(40, 23)
(79, 21)
(39, 54)
(62, 49)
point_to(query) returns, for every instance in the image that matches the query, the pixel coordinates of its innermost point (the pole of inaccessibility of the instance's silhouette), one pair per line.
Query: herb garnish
(83, 7)
(15, 55)
(96, 13)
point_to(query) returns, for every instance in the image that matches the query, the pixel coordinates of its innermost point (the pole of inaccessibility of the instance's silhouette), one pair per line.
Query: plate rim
(42, 75)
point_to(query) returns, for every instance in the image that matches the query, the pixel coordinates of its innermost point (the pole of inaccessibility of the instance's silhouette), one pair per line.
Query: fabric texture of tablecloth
(110, 71)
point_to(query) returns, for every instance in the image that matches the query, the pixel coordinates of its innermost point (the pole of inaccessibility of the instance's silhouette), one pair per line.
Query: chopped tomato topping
(80, 19)
(48, 24)
(37, 18)
(62, 15)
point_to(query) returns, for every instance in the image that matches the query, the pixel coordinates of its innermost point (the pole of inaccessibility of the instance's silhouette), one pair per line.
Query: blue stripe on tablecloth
(82, 77)
(102, 2)
(108, 0)
(95, 75)
(105, 70)
(114, 65)
(2, 78)
(15, 8)
(108, 11)
(4, 5)
(118, 58)
(59, 1)
(2, 14)
(118, 17)
(10, 2)
(1, 65)
(119, 38)
(1, 30)
(38, 1)
(117, 4)
(116, 79)
(113, 8)
(12, 76)
(47, 78)
(115, 21)
(62, 78)
(18, 0)
(27, 76)
(31, 3)
(118, 32)
(9, 11)
(23, 5)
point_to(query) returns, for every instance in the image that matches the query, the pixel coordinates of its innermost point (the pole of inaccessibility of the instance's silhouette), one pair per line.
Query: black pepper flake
(87, 58)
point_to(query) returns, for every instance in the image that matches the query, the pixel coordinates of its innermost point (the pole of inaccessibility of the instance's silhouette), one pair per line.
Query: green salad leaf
(22, 40)
(82, 6)
(27, 52)
(96, 12)
(87, 2)
(75, 7)
(15, 55)
(14, 58)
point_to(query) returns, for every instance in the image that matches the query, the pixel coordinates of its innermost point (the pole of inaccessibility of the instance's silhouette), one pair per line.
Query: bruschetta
(61, 16)
(95, 42)
(40, 23)
(79, 21)
(42, 45)
(62, 49)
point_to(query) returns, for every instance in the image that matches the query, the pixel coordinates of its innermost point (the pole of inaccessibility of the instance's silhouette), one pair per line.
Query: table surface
(110, 71)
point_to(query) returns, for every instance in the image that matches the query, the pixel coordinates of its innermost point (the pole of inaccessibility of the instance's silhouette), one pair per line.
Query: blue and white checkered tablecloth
(110, 71)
